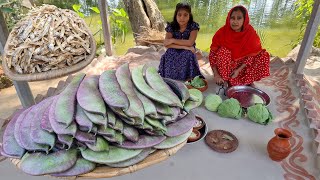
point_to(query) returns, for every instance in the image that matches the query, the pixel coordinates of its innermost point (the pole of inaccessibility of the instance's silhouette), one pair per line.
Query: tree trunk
(144, 13)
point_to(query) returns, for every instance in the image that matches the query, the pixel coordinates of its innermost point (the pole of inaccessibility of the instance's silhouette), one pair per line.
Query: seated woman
(236, 55)
(179, 61)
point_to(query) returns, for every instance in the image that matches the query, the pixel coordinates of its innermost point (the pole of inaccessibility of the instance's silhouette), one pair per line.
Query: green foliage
(76, 8)
(303, 13)
(95, 9)
(212, 102)
(263, 36)
(259, 113)
(119, 24)
(197, 82)
(99, 23)
(12, 11)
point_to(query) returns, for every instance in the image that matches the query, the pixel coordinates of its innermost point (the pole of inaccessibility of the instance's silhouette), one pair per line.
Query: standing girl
(179, 61)
(236, 55)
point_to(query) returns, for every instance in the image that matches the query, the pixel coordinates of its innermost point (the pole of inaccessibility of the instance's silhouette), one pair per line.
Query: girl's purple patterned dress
(180, 64)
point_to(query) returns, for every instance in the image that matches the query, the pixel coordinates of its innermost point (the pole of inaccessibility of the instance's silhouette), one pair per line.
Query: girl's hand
(218, 79)
(167, 42)
(192, 49)
(235, 73)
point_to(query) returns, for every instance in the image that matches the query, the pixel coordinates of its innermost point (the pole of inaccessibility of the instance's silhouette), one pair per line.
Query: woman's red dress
(230, 49)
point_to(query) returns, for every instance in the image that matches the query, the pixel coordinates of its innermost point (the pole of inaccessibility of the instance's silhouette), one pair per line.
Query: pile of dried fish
(48, 38)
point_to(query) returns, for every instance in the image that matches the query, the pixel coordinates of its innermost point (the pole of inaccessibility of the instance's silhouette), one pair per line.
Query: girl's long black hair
(174, 24)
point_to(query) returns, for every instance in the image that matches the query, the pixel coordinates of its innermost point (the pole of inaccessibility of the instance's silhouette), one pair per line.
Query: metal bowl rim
(261, 93)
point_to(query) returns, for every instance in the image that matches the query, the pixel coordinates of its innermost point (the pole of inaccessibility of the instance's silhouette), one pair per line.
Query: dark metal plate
(247, 95)
(222, 141)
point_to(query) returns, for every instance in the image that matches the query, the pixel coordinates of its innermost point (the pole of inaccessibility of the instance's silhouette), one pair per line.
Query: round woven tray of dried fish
(222, 141)
(48, 43)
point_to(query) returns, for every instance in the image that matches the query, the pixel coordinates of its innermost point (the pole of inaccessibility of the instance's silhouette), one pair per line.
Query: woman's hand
(235, 73)
(218, 79)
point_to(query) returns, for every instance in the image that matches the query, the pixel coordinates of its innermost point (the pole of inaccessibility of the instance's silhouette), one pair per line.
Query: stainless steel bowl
(247, 95)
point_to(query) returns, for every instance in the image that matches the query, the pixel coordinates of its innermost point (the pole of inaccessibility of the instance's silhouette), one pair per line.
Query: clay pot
(279, 147)
(199, 123)
(195, 135)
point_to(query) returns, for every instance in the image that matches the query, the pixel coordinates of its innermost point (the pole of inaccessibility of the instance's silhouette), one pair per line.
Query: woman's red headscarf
(241, 44)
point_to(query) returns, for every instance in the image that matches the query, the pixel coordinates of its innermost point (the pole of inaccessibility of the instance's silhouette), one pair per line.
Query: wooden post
(105, 26)
(22, 87)
(3, 33)
(308, 38)
(24, 93)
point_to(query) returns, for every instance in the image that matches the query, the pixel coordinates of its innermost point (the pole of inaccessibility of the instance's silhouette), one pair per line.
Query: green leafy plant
(119, 24)
(196, 82)
(99, 22)
(263, 36)
(12, 11)
(76, 8)
(96, 10)
(303, 13)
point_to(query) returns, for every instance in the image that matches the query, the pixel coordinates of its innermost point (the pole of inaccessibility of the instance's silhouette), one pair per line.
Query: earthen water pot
(199, 123)
(279, 146)
(195, 135)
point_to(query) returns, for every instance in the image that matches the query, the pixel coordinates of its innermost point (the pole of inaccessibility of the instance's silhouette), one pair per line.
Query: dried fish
(44, 58)
(78, 51)
(48, 38)
(62, 32)
(18, 69)
(38, 68)
(78, 59)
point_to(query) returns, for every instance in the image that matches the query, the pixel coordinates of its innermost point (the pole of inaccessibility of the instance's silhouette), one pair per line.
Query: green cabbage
(197, 82)
(212, 102)
(230, 108)
(259, 113)
(195, 100)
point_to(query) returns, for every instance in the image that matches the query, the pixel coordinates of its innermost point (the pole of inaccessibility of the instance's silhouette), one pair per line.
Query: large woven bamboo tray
(51, 74)
(105, 171)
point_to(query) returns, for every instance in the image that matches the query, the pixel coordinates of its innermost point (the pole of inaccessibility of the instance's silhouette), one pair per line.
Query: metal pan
(247, 95)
